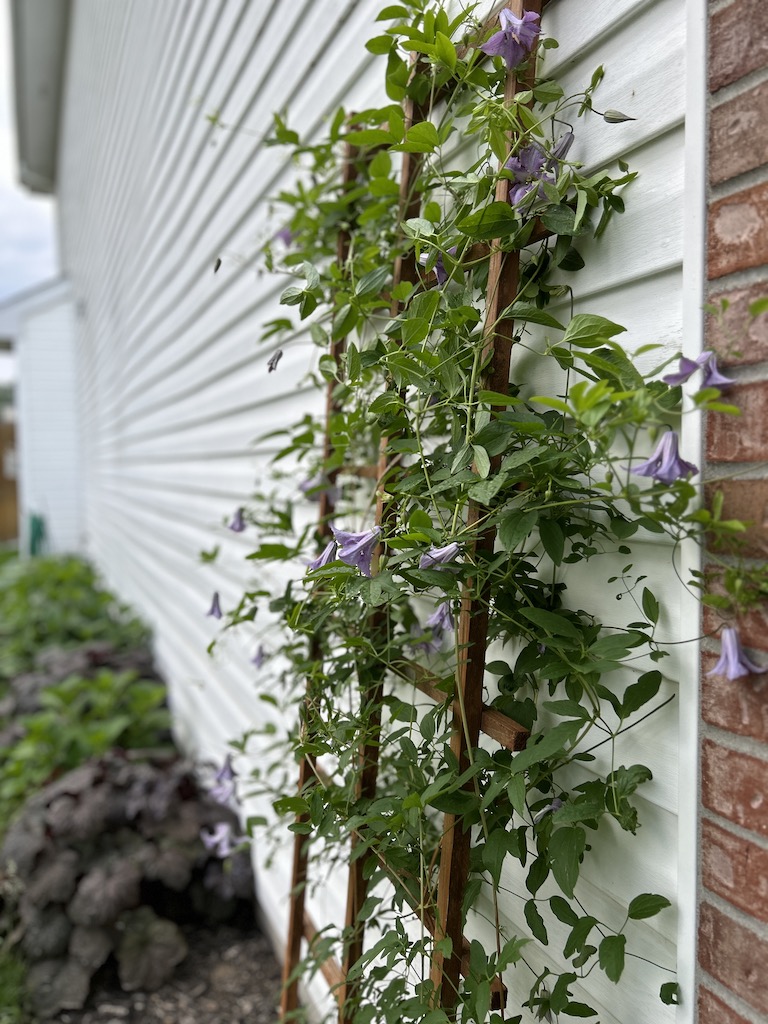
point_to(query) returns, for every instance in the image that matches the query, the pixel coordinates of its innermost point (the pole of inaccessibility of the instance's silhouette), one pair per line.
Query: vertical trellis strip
(371, 690)
(503, 280)
(297, 929)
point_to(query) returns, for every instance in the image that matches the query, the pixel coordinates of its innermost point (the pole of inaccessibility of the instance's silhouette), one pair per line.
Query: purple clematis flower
(665, 465)
(215, 609)
(733, 662)
(556, 804)
(561, 148)
(530, 168)
(707, 362)
(439, 268)
(317, 485)
(328, 555)
(516, 38)
(440, 621)
(284, 235)
(259, 657)
(219, 840)
(357, 548)
(238, 522)
(436, 557)
(224, 788)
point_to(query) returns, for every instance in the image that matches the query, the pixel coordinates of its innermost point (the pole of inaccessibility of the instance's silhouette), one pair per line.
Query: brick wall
(733, 908)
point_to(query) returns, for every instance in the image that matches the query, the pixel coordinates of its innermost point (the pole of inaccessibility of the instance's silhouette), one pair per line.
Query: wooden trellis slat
(470, 715)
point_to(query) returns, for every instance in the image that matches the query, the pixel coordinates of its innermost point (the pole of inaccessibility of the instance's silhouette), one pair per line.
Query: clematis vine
(357, 548)
(530, 169)
(224, 788)
(707, 362)
(665, 465)
(220, 841)
(515, 39)
(734, 663)
(436, 557)
(237, 525)
(215, 609)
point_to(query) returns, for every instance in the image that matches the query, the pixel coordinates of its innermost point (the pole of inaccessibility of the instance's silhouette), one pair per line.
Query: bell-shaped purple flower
(516, 38)
(259, 656)
(357, 548)
(274, 359)
(707, 362)
(436, 557)
(220, 841)
(665, 465)
(215, 609)
(327, 555)
(561, 148)
(733, 662)
(439, 268)
(284, 235)
(556, 804)
(439, 622)
(530, 169)
(224, 788)
(237, 525)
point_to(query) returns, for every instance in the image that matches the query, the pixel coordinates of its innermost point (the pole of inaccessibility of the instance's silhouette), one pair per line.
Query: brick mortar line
(715, 6)
(734, 743)
(721, 472)
(731, 187)
(735, 89)
(737, 831)
(759, 928)
(746, 373)
(731, 999)
(740, 280)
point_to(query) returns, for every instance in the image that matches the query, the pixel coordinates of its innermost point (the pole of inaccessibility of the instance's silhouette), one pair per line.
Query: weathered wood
(503, 280)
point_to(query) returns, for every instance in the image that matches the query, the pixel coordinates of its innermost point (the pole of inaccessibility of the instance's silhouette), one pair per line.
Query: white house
(150, 122)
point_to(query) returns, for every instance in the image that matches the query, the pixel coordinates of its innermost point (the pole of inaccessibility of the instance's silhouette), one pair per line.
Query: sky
(27, 236)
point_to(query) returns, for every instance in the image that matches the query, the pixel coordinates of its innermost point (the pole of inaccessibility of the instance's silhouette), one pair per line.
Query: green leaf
(611, 952)
(392, 12)
(553, 539)
(590, 330)
(669, 993)
(639, 693)
(578, 936)
(494, 852)
(372, 282)
(497, 220)
(553, 743)
(516, 793)
(650, 606)
(482, 461)
(445, 50)
(566, 845)
(532, 315)
(563, 911)
(536, 922)
(515, 528)
(497, 398)
(380, 44)
(421, 138)
(758, 307)
(581, 810)
(648, 904)
(552, 622)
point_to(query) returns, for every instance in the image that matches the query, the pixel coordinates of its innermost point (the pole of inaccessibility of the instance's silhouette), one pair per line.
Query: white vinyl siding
(174, 388)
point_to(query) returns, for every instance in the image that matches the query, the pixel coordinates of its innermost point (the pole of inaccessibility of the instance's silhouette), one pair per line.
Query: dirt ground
(228, 977)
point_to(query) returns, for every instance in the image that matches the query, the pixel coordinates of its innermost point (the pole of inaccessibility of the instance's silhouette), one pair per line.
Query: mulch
(229, 976)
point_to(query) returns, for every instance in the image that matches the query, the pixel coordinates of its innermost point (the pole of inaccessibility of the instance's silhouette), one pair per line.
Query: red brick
(735, 955)
(736, 331)
(741, 438)
(735, 869)
(714, 1011)
(735, 786)
(738, 141)
(746, 500)
(738, 41)
(738, 231)
(740, 706)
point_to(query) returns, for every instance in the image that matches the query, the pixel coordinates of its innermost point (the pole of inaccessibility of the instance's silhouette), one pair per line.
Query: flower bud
(616, 117)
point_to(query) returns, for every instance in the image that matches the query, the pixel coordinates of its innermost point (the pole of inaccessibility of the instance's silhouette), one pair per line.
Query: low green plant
(12, 972)
(55, 600)
(78, 719)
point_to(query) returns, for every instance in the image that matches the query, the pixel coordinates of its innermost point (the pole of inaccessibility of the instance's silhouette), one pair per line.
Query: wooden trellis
(503, 280)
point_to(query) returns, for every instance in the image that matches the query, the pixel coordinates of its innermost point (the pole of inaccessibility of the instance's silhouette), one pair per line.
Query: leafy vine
(486, 495)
